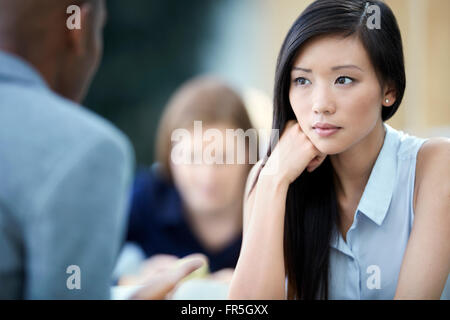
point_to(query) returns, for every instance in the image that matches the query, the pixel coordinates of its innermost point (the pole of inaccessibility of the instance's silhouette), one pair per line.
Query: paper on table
(123, 292)
(201, 289)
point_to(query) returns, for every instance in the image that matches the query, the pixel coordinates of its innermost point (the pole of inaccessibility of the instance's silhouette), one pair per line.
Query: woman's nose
(323, 108)
(323, 103)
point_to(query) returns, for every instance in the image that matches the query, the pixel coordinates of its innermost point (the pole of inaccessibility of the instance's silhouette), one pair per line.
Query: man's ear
(79, 37)
(389, 94)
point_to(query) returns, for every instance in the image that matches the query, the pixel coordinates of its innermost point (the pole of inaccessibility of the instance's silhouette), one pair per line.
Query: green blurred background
(151, 47)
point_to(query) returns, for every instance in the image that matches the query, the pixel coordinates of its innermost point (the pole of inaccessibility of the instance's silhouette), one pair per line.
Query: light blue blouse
(367, 265)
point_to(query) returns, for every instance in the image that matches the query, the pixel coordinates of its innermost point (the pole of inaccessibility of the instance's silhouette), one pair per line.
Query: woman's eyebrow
(302, 69)
(352, 66)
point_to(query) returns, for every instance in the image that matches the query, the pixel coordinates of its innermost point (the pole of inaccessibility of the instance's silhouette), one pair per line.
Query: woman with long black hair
(345, 206)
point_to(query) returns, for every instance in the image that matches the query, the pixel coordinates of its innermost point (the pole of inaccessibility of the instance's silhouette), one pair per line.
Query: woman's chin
(328, 147)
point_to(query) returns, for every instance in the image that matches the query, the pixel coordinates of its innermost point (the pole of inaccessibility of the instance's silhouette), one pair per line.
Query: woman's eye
(302, 81)
(344, 80)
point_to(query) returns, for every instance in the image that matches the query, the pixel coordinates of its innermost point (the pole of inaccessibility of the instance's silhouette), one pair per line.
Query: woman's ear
(79, 38)
(389, 95)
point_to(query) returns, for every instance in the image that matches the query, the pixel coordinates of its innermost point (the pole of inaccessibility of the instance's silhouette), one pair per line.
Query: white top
(367, 265)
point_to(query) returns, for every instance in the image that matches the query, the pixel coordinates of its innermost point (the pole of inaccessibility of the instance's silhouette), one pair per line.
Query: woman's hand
(293, 153)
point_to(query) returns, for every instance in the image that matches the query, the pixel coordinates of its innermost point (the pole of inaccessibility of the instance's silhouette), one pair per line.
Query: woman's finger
(316, 163)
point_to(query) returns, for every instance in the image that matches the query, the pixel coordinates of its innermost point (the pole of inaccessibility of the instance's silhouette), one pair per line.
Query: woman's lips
(326, 132)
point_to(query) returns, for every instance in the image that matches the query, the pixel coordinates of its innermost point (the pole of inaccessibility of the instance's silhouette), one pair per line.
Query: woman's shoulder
(150, 184)
(432, 168)
(154, 200)
(150, 177)
(433, 157)
(408, 145)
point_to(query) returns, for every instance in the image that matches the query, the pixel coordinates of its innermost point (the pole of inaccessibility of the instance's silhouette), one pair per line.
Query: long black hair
(311, 206)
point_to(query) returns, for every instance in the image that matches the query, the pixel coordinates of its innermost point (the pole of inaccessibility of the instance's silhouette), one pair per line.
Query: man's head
(37, 31)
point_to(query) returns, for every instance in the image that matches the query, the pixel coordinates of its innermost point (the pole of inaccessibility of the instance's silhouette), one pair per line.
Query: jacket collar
(14, 68)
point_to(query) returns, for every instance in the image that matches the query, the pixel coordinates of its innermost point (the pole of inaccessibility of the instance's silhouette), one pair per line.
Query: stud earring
(387, 100)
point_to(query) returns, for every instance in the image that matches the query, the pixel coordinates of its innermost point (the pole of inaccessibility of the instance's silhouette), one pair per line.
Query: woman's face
(210, 188)
(333, 82)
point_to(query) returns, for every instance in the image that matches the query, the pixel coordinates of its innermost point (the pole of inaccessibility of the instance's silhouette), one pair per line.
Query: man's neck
(46, 70)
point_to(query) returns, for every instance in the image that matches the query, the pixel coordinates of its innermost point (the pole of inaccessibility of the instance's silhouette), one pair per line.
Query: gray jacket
(65, 175)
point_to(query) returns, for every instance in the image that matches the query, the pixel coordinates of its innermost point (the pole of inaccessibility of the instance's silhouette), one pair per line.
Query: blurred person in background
(179, 209)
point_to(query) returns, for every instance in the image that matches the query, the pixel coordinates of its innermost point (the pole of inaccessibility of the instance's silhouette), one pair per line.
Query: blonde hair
(207, 99)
